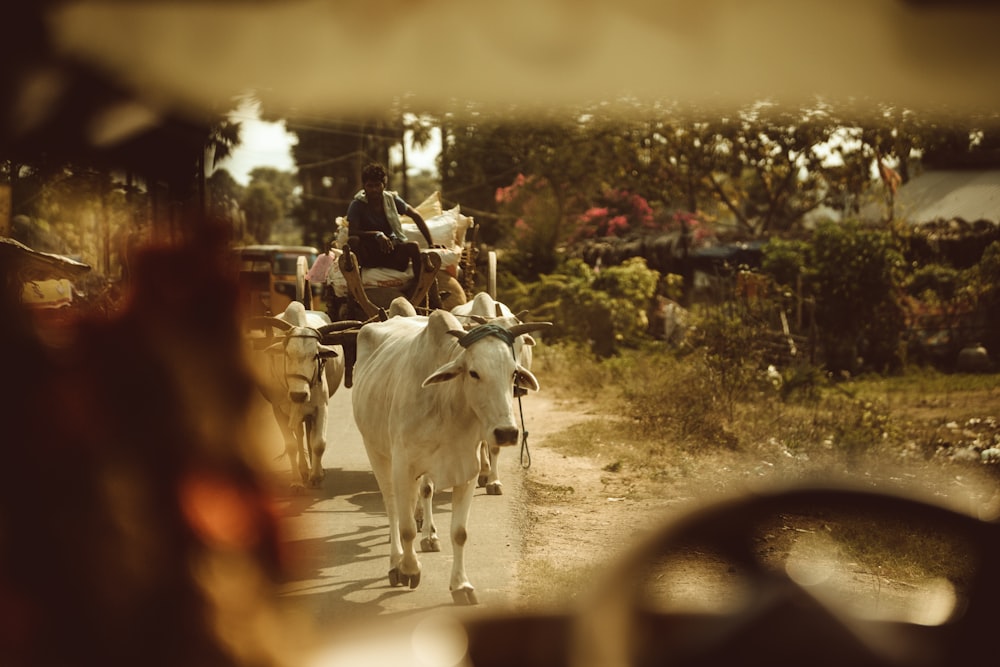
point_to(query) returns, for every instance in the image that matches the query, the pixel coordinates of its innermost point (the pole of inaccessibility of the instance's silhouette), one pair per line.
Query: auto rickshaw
(270, 277)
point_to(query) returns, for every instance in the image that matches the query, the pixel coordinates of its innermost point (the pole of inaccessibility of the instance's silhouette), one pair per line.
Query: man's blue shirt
(364, 217)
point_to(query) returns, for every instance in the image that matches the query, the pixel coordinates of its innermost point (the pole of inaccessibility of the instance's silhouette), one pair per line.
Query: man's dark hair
(373, 172)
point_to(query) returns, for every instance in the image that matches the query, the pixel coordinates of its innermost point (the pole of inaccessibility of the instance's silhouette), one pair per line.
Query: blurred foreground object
(107, 74)
(134, 529)
(801, 607)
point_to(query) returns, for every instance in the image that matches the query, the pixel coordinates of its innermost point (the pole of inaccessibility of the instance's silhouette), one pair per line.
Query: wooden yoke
(430, 262)
(351, 271)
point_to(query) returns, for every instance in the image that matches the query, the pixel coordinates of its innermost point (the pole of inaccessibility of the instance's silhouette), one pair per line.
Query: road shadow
(336, 483)
(316, 559)
(345, 576)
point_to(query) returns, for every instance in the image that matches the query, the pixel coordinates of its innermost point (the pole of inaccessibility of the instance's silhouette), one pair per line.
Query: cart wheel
(491, 274)
(303, 293)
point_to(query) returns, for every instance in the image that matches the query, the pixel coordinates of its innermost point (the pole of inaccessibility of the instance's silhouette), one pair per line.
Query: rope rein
(525, 452)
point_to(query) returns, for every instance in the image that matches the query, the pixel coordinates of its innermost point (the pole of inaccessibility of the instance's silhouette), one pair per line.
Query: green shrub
(785, 260)
(605, 311)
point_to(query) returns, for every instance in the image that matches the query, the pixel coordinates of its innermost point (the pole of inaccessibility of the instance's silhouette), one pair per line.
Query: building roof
(949, 194)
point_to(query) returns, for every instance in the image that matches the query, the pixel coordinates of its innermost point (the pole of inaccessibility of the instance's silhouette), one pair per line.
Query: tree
(330, 154)
(223, 138)
(263, 209)
(224, 201)
(857, 285)
(485, 154)
(282, 183)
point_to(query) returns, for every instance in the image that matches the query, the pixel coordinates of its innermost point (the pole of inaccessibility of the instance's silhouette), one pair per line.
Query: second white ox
(297, 374)
(426, 392)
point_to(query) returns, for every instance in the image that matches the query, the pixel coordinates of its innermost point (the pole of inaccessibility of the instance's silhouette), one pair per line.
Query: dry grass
(663, 432)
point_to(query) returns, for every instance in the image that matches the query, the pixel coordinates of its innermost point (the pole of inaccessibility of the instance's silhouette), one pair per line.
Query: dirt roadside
(581, 514)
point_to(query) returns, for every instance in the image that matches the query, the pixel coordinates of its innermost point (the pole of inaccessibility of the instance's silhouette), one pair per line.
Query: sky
(266, 144)
(262, 144)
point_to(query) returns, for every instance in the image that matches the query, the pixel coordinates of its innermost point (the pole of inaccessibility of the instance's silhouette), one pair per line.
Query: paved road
(337, 536)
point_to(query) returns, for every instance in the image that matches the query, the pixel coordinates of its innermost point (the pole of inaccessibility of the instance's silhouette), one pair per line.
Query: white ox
(483, 307)
(297, 373)
(426, 392)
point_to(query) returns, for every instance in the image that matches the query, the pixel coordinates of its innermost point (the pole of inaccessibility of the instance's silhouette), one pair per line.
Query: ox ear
(527, 339)
(325, 352)
(449, 371)
(525, 379)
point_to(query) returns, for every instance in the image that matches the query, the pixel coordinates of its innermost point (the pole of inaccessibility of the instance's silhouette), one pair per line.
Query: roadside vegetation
(847, 392)
(659, 406)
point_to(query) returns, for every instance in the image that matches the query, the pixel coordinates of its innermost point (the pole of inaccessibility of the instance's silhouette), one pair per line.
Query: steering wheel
(773, 617)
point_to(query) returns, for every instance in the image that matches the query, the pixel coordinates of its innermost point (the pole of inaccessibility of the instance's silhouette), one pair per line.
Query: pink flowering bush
(697, 226)
(529, 206)
(523, 199)
(621, 212)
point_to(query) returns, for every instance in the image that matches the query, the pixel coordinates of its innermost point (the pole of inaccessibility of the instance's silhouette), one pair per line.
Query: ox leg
(317, 446)
(429, 540)
(300, 459)
(462, 591)
(404, 564)
(484, 463)
(292, 449)
(382, 467)
(494, 487)
(489, 470)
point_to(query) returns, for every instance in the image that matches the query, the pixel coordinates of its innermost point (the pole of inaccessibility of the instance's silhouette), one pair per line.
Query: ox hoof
(430, 544)
(297, 489)
(465, 596)
(397, 578)
(481, 481)
(494, 489)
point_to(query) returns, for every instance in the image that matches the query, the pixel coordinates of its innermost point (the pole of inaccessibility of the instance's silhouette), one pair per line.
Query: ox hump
(295, 314)
(482, 304)
(440, 322)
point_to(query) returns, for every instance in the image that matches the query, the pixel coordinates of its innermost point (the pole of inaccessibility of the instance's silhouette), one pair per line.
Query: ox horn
(521, 315)
(268, 324)
(528, 327)
(340, 337)
(341, 332)
(265, 321)
(340, 326)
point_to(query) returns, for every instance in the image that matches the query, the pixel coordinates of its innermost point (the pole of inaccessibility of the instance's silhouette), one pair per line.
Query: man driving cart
(376, 237)
(375, 232)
